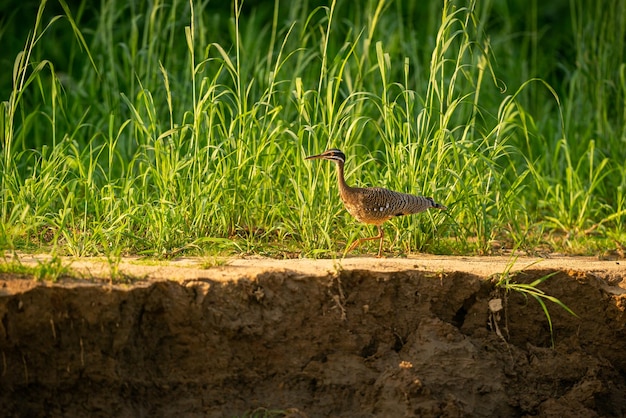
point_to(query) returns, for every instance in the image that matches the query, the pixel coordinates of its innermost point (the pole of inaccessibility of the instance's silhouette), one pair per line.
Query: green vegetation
(507, 283)
(163, 129)
(50, 270)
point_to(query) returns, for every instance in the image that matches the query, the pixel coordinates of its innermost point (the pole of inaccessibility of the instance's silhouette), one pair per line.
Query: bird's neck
(343, 186)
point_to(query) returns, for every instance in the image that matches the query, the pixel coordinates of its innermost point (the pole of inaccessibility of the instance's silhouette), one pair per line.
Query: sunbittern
(374, 205)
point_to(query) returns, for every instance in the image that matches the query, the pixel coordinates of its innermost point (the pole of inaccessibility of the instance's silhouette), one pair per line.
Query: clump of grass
(47, 270)
(157, 134)
(506, 281)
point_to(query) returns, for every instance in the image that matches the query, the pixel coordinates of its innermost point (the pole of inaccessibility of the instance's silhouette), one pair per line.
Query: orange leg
(380, 236)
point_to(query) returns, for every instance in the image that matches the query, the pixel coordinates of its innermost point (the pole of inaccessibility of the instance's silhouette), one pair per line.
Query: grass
(506, 281)
(48, 270)
(167, 129)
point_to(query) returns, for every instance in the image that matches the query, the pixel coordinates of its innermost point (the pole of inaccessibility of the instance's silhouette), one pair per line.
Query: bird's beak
(314, 157)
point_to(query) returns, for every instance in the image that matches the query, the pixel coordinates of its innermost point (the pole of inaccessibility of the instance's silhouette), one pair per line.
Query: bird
(374, 205)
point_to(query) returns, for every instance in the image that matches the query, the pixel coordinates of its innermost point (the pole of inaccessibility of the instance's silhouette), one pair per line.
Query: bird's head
(331, 154)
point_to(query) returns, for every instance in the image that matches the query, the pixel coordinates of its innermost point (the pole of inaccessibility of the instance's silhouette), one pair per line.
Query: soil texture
(359, 337)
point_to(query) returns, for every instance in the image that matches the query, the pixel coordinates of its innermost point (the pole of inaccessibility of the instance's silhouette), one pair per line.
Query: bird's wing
(389, 203)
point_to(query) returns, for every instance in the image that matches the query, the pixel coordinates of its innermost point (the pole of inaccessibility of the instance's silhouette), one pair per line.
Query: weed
(507, 283)
(47, 270)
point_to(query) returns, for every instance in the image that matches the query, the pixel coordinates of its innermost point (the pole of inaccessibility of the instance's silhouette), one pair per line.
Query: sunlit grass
(49, 270)
(507, 283)
(182, 130)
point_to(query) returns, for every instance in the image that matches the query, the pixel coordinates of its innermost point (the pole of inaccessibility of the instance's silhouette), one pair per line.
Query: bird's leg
(381, 234)
(360, 240)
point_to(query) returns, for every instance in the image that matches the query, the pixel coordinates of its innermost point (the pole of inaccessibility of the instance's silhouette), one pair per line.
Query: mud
(340, 341)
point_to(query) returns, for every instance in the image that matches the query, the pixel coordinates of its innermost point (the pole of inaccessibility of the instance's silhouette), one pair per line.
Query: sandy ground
(237, 268)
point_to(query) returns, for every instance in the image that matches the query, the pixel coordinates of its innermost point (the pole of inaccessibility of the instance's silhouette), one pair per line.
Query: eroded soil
(357, 338)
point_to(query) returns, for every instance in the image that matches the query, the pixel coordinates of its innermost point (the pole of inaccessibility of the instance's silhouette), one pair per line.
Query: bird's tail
(437, 205)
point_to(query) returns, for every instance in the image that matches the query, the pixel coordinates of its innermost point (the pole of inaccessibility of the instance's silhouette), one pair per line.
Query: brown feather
(375, 205)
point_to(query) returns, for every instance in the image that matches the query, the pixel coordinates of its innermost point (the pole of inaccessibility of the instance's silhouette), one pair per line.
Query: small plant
(506, 282)
(211, 261)
(48, 270)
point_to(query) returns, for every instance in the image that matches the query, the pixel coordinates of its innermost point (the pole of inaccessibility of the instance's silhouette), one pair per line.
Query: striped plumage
(374, 205)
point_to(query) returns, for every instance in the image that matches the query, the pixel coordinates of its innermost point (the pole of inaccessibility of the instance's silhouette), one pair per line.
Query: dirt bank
(354, 338)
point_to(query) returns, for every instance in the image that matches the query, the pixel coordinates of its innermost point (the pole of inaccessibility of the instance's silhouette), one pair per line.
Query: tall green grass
(170, 128)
